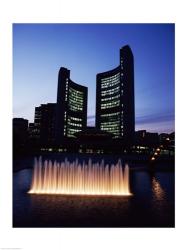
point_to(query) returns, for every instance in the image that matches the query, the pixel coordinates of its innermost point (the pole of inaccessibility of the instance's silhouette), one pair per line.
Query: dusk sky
(39, 50)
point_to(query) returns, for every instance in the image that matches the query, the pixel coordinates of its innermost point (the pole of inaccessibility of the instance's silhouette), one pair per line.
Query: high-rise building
(43, 128)
(115, 112)
(71, 110)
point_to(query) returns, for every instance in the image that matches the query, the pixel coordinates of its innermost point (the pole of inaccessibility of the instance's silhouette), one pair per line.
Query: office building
(71, 109)
(43, 128)
(115, 112)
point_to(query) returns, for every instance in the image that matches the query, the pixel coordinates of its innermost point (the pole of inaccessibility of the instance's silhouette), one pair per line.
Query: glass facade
(115, 98)
(74, 121)
(76, 99)
(114, 101)
(44, 122)
(74, 125)
(71, 106)
(110, 102)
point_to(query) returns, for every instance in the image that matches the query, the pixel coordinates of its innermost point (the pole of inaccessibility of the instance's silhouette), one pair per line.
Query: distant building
(20, 127)
(115, 112)
(152, 139)
(172, 136)
(31, 130)
(144, 138)
(92, 140)
(167, 140)
(71, 109)
(43, 128)
(20, 134)
(163, 137)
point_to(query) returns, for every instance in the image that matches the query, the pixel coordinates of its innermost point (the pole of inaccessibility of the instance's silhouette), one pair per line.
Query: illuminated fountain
(75, 179)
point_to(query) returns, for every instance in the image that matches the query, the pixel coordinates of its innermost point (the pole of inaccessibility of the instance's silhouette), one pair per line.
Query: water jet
(73, 178)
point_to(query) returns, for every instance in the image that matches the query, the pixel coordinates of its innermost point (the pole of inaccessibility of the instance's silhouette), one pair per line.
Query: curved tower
(71, 109)
(115, 112)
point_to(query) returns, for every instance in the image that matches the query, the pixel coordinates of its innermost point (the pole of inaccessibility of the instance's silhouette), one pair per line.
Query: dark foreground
(152, 204)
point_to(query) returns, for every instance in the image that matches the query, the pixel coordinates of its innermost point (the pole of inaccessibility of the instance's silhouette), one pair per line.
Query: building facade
(92, 140)
(71, 107)
(115, 111)
(43, 129)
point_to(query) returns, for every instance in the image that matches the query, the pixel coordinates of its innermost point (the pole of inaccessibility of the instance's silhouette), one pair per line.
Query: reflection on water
(152, 205)
(74, 210)
(158, 191)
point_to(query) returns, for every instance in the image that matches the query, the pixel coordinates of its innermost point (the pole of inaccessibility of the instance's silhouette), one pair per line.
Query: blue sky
(39, 50)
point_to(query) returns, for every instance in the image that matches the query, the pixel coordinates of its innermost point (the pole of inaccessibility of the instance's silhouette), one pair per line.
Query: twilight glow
(87, 49)
(75, 179)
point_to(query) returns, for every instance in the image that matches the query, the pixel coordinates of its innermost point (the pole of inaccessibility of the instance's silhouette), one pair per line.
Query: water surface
(152, 204)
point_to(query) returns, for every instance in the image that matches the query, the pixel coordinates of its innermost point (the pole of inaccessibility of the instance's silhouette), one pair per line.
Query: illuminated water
(151, 205)
(80, 179)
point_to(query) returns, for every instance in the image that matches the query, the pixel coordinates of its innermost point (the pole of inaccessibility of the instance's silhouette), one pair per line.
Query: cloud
(155, 118)
(159, 122)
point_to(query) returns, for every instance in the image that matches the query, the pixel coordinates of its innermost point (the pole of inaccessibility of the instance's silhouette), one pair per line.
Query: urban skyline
(64, 123)
(62, 126)
(149, 114)
(77, 175)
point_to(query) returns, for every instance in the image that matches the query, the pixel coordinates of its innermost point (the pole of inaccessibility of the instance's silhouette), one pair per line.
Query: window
(75, 100)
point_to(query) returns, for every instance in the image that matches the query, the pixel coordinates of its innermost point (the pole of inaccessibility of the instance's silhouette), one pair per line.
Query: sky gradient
(39, 50)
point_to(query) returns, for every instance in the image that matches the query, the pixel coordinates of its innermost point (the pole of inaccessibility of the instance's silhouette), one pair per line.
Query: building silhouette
(144, 138)
(115, 112)
(31, 130)
(20, 128)
(92, 140)
(71, 107)
(20, 135)
(43, 129)
(62, 126)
